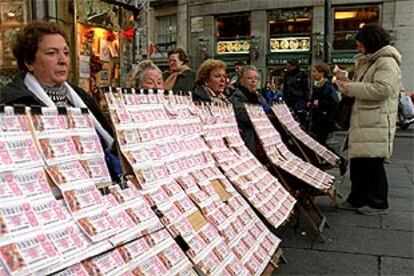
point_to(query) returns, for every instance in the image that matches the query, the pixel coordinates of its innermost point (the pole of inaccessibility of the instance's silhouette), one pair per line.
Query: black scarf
(252, 97)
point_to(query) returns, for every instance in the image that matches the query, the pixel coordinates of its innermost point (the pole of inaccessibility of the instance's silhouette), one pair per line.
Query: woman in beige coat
(375, 88)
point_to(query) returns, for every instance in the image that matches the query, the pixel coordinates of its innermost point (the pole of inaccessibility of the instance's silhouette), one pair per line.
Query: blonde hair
(203, 72)
(136, 76)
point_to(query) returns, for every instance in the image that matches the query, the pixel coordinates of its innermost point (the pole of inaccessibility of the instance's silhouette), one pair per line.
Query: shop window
(292, 22)
(167, 32)
(14, 15)
(347, 21)
(235, 26)
(290, 30)
(233, 34)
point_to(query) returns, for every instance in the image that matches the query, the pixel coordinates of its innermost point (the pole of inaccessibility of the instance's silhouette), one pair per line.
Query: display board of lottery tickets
(285, 117)
(162, 139)
(53, 218)
(281, 156)
(247, 174)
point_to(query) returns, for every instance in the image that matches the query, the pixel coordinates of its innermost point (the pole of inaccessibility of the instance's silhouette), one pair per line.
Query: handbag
(343, 113)
(406, 107)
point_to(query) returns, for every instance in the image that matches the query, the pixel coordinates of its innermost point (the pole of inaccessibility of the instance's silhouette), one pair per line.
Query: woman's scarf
(34, 86)
(58, 94)
(321, 83)
(219, 99)
(252, 97)
(172, 78)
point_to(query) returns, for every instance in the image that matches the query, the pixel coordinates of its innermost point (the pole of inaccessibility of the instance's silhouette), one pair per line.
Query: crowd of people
(42, 53)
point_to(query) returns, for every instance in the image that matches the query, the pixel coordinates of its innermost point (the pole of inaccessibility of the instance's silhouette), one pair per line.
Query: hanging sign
(233, 47)
(290, 44)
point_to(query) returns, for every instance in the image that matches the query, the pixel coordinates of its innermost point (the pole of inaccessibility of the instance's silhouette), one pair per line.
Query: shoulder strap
(366, 70)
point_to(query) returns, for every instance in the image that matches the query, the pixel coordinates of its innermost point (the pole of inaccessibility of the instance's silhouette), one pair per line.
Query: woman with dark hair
(42, 53)
(376, 85)
(211, 82)
(180, 77)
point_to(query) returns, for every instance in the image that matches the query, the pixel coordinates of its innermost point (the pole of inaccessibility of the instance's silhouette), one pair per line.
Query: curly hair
(27, 41)
(373, 37)
(203, 72)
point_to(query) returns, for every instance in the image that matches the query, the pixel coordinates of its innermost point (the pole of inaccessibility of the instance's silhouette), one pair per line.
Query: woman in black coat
(42, 54)
(323, 103)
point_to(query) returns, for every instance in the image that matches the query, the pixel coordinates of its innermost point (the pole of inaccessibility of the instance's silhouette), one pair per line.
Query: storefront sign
(197, 24)
(281, 59)
(343, 57)
(233, 47)
(290, 44)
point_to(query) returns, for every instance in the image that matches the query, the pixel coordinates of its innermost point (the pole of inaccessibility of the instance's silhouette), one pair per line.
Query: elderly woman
(180, 77)
(211, 82)
(42, 54)
(146, 75)
(246, 93)
(377, 82)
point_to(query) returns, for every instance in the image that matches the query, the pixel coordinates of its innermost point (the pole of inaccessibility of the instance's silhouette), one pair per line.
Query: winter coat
(296, 89)
(201, 94)
(322, 119)
(374, 113)
(327, 101)
(16, 92)
(239, 98)
(185, 81)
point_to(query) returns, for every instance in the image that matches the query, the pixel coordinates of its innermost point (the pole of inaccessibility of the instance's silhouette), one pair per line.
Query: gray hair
(248, 68)
(137, 75)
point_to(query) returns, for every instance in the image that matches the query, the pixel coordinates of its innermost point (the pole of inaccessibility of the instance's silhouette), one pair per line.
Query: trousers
(369, 184)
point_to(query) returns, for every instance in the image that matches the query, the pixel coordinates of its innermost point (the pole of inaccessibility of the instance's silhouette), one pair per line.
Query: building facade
(266, 33)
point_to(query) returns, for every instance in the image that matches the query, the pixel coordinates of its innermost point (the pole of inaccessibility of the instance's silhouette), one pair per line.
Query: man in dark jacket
(296, 89)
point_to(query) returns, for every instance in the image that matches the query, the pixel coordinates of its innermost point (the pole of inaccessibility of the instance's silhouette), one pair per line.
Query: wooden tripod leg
(311, 222)
(322, 218)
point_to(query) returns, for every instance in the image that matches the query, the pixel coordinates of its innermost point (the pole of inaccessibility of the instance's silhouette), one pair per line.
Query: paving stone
(405, 179)
(368, 241)
(352, 218)
(401, 193)
(401, 205)
(396, 266)
(399, 181)
(337, 217)
(300, 238)
(306, 262)
(398, 221)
